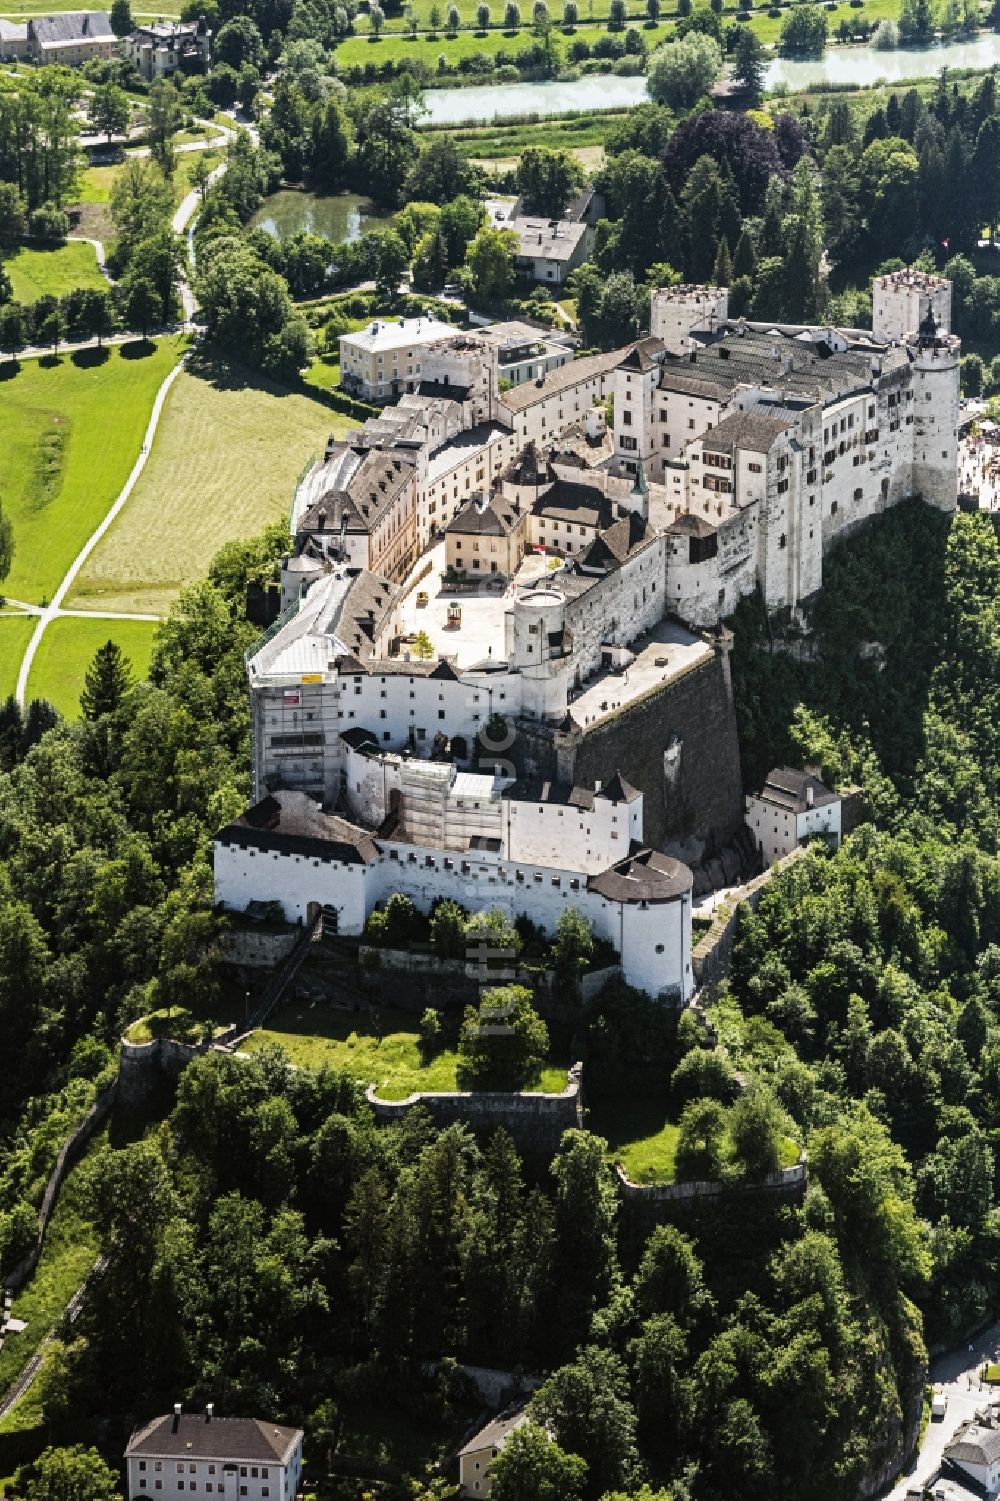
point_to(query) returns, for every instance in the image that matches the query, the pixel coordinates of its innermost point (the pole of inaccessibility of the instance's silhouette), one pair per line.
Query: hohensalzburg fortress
(499, 674)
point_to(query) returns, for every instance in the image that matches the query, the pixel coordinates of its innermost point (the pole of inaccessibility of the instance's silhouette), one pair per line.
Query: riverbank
(842, 68)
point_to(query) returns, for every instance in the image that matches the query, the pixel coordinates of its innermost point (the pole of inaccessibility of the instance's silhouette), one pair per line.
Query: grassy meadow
(70, 431)
(67, 649)
(228, 451)
(52, 272)
(15, 633)
(388, 1055)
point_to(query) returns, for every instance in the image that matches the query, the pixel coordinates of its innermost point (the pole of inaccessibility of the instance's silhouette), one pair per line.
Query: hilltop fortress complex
(501, 674)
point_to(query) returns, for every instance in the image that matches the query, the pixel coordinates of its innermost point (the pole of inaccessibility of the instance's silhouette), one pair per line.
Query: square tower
(675, 313)
(900, 302)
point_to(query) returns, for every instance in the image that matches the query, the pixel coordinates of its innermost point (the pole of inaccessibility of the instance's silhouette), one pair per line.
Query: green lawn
(54, 272)
(314, 1035)
(183, 1025)
(396, 42)
(25, 8)
(643, 1138)
(70, 432)
(67, 648)
(69, 1252)
(499, 141)
(96, 183)
(228, 451)
(15, 633)
(324, 373)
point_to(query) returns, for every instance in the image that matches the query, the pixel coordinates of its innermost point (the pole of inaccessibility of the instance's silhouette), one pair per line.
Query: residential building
(486, 536)
(791, 807)
(475, 1460)
(237, 1459)
(383, 360)
(13, 41)
(526, 352)
(159, 49)
(72, 38)
(358, 506)
(975, 1452)
(549, 249)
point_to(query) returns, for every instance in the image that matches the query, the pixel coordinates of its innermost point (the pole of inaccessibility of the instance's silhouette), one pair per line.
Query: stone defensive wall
(788, 1180)
(535, 1121)
(677, 744)
(68, 1154)
(711, 955)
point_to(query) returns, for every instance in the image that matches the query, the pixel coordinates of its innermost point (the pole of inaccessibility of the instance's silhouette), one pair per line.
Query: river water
(858, 65)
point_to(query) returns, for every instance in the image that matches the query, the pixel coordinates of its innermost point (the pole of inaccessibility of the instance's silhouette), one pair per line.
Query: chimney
(810, 797)
(209, 1411)
(321, 519)
(177, 1416)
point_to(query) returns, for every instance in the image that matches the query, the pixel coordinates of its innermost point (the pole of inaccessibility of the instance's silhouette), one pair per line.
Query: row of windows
(257, 1472)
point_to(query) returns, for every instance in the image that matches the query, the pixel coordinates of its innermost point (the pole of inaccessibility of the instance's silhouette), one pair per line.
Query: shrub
(703, 1075)
(48, 223)
(430, 1030)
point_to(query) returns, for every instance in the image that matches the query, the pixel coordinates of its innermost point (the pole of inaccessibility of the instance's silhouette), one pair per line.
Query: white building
(159, 49)
(975, 1451)
(549, 249)
(286, 849)
(526, 352)
(771, 443)
(791, 807)
(475, 1460)
(383, 360)
(238, 1459)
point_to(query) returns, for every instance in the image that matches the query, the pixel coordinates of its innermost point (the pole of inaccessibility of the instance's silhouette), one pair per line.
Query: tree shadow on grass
(137, 349)
(50, 361)
(89, 359)
(225, 374)
(9, 368)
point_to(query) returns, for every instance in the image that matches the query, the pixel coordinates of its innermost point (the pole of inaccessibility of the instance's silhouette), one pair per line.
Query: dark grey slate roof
(194, 1436)
(495, 517)
(72, 26)
(644, 877)
(292, 824)
(788, 788)
(618, 790)
(540, 790)
(756, 431)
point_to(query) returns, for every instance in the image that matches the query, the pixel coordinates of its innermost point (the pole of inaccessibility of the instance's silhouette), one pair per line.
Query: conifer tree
(108, 678)
(722, 275)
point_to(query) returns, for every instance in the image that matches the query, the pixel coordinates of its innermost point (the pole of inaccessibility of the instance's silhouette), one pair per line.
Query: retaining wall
(788, 1180)
(256, 950)
(440, 982)
(141, 1064)
(535, 1121)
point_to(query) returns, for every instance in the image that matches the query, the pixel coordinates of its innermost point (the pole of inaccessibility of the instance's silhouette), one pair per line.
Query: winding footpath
(184, 215)
(51, 611)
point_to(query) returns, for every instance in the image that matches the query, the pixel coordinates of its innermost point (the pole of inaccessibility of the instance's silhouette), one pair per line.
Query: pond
(341, 216)
(859, 65)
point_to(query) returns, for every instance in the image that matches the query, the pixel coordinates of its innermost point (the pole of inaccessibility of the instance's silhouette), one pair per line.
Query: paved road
(957, 1375)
